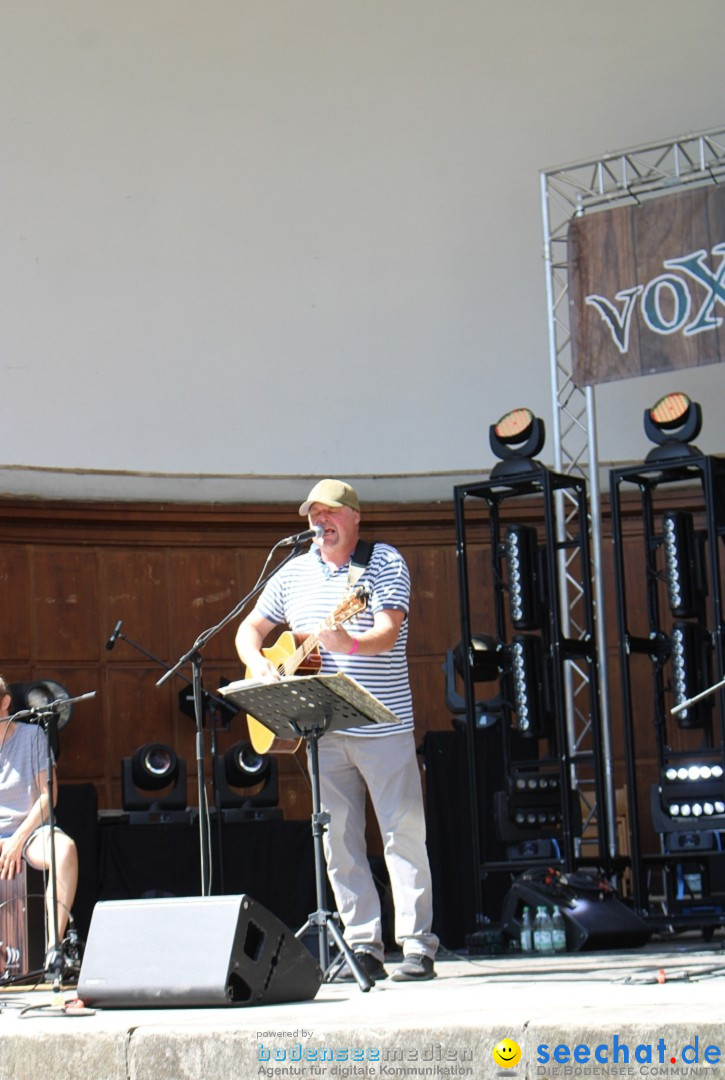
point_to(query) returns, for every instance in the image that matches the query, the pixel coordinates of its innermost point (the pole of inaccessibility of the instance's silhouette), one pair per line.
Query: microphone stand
(194, 657)
(47, 718)
(211, 715)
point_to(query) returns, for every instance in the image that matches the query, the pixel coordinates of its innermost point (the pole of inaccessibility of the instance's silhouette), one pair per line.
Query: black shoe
(415, 968)
(367, 963)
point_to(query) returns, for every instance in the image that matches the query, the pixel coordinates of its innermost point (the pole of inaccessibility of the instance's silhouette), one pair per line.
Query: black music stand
(308, 706)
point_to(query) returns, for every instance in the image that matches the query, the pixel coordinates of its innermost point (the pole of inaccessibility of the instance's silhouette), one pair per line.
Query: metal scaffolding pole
(627, 177)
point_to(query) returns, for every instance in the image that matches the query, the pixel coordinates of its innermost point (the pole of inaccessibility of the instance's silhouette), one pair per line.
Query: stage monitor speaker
(594, 916)
(193, 951)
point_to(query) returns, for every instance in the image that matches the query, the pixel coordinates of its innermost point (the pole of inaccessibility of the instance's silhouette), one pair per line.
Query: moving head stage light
(672, 423)
(153, 785)
(516, 439)
(247, 784)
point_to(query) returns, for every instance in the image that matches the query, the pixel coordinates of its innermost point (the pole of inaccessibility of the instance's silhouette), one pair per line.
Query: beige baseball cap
(331, 493)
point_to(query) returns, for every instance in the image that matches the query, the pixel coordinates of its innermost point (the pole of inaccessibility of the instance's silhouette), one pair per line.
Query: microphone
(116, 631)
(315, 533)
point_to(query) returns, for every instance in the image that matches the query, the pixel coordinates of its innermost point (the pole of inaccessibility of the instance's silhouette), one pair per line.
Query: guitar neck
(342, 614)
(290, 665)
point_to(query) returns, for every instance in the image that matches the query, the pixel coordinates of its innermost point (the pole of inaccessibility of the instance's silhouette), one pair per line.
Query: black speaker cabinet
(193, 951)
(448, 809)
(594, 916)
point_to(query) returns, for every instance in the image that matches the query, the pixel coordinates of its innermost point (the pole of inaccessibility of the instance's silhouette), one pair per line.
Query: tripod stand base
(326, 925)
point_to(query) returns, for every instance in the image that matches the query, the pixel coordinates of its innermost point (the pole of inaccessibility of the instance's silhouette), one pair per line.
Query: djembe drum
(22, 925)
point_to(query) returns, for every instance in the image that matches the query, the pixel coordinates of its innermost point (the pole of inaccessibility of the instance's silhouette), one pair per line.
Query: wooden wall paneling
(250, 562)
(14, 673)
(480, 593)
(435, 609)
(202, 590)
(15, 601)
(134, 586)
(65, 595)
(138, 712)
(428, 685)
(82, 753)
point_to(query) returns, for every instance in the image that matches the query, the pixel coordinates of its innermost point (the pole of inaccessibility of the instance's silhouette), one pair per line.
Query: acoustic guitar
(299, 654)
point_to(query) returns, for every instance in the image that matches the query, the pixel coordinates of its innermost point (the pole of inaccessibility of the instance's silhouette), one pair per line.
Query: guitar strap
(358, 561)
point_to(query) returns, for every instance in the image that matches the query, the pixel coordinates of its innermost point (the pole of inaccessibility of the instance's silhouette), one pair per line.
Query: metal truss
(628, 177)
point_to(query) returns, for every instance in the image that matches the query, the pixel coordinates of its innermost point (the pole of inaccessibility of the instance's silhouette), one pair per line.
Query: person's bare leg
(37, 854)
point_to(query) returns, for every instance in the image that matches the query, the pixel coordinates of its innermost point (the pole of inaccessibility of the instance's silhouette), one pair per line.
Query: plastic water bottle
(526, 934)
(558, 931)
(543, 942)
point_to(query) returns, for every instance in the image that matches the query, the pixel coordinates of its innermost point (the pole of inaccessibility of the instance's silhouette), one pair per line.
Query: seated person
(24, 829)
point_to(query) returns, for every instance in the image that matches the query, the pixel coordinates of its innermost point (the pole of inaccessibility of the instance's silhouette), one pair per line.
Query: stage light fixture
(690, 795)
(535, 799)
(516, 438)
(522, 553)
(672, 423)
(482, 656)
(153, 782)
(683, 563)
(692, 773)
(531, 809)
(39, 694)
(246, 783)
(689, 673)
(529, 690)
(216, 712)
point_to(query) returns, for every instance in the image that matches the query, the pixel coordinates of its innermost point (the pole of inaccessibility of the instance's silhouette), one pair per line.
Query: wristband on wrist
(355, 647)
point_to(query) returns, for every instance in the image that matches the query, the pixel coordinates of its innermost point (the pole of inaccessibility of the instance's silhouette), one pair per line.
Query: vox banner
(647, 286)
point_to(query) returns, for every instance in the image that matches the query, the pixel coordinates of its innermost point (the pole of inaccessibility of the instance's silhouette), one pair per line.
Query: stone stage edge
(650, 1012)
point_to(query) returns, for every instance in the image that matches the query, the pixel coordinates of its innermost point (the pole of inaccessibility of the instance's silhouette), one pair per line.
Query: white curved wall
(252, 238)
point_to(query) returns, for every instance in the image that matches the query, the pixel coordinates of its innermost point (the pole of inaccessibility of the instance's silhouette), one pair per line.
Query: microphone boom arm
(698, 697)
(161, 663)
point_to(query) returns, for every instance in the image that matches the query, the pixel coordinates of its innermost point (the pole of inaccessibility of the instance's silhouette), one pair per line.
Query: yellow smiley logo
(507, 1053)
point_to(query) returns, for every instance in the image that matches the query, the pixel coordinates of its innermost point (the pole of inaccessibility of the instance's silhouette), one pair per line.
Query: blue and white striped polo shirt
(306, 591)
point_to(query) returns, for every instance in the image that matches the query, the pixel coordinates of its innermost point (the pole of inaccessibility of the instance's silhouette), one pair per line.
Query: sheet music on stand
(308, 702)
